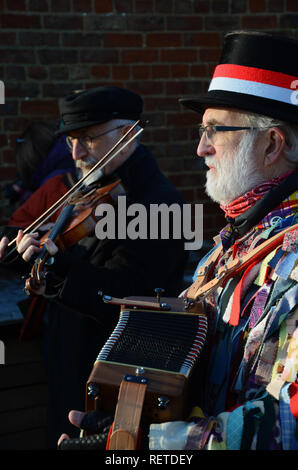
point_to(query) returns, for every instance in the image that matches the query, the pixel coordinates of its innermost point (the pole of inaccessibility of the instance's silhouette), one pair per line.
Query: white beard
(83, 167)
(236, 173)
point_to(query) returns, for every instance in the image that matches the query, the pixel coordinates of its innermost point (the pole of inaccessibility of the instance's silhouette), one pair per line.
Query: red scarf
(248, 199)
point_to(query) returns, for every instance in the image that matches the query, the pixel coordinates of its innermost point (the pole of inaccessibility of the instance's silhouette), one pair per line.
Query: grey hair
(128, 122)
(290, 131)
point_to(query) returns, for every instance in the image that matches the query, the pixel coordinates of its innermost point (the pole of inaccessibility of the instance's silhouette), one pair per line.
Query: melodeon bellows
(159, 346)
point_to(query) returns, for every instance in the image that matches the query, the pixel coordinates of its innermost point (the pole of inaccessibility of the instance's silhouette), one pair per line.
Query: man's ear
(275, 145)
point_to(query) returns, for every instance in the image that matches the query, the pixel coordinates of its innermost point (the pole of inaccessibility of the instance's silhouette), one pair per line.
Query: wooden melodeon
(145, 365)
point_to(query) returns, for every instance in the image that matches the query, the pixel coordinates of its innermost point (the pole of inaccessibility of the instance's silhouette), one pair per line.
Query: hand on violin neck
(3, 245)
(29, 245)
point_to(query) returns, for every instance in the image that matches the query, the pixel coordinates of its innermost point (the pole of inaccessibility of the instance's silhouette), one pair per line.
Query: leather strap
(202, 273)
(238, 265)
(128, 415)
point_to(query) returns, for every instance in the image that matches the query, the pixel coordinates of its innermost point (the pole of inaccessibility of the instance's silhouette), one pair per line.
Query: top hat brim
(242, 102)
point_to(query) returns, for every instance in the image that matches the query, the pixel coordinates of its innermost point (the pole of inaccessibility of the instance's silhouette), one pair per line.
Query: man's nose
(78, 150)
(205, 148)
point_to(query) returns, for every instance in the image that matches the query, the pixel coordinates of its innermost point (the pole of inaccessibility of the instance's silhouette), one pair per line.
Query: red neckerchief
(248, 199)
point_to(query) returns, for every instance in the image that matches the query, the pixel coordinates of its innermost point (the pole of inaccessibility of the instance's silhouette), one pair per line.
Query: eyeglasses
(86, 140)
(210, 131)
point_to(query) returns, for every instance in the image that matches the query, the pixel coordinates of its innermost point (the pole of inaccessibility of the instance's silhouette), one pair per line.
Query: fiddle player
(77, 321)
(245, 388)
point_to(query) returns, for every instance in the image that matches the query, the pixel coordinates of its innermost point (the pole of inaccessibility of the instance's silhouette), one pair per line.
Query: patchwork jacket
(244, 387)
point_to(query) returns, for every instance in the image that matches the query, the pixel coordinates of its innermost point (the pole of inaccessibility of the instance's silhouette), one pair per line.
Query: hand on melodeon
(95, 423)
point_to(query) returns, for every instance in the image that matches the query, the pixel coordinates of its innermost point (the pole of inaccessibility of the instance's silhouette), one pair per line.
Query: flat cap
(86, 108)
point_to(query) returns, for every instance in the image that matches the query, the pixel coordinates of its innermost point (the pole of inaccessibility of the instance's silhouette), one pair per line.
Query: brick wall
(162, 49)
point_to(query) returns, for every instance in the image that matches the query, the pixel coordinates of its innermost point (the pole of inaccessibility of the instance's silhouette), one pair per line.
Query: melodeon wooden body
(159, 347)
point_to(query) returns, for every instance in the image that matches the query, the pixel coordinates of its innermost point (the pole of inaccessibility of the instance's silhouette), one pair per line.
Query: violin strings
(56, 206)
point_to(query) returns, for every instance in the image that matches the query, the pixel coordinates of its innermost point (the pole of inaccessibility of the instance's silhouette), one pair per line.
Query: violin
(77, 218)
(76, 221)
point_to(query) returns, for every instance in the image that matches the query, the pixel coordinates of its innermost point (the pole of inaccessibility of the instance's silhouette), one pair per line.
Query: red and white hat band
(257, 82)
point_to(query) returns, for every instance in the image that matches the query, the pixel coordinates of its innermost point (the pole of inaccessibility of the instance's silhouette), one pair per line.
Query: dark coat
(77, 323)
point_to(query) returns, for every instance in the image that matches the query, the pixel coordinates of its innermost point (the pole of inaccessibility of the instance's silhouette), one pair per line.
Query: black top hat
(258, 72)
(86, 108)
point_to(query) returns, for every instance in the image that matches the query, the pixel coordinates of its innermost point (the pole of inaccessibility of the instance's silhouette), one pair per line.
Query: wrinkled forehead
(223, 117)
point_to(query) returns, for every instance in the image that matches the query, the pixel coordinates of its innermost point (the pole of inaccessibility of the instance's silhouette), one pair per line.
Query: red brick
(9, 39)
(101, 71)
(160, 71)
(122, 40)
(59, 72)
(9, 155)
(202, 39)
(164, 103)
(257, 6)
(179, 70)
(277, 6)
(186, 23)
(61, 6)
(139, 55)
(210, 55)
(188, 195)
(184, 179)
(99, 56)
(222, 22)
(38, 5)
(202, 6)
(37, 73)
(164, 6)
(8, 173)
(16, 124)
(145, 22)
(3, 140)
(41, 38)
(14, 72)
(179, 133)
(17, 5)
(85, 6)
(103, 6)
(20, 21)
(183, 87)
(72, 39)
(121, 72)
(158, 135)
(59, 22)
(141, 72)
(56, 90)
(164, 39)
(122, 6)
(58, 56)
(146, 87)
(144, 6)
(171, 164)
(291, 5)
(199, 70)
(40, 107)
(182, 119)
(259, 22)
(179, 55)
(289, 21)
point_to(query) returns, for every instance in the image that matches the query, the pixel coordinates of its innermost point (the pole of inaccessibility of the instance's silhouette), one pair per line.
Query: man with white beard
(244, 389)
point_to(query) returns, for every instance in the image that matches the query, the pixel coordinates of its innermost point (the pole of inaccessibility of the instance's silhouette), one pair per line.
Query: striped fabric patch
(254, 81)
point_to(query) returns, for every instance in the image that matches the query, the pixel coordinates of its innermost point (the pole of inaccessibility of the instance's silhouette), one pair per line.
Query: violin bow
(100, 164)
